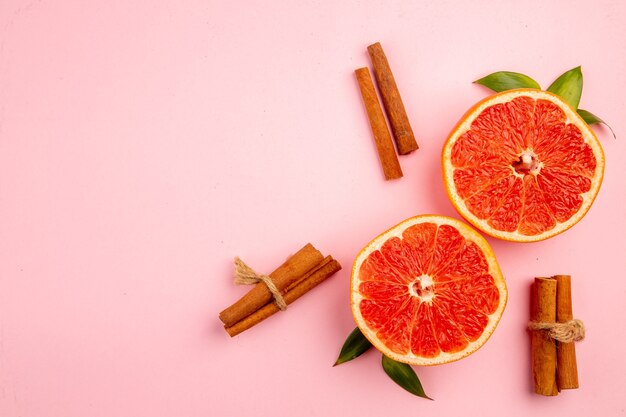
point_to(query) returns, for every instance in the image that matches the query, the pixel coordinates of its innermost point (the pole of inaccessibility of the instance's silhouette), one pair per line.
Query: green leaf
(569, 86)
(507, 80)
(591, 119)
(403, 375)
(355, 345)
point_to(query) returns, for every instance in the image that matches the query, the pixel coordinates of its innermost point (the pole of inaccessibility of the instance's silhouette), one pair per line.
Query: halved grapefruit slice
(427, 291)
(522, 165)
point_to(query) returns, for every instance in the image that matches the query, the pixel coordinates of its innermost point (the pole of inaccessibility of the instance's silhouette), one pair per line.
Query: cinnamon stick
(324, 270)
(382, 137)
(543, 347)
(567, 371)
(402, 131)
(291, 270)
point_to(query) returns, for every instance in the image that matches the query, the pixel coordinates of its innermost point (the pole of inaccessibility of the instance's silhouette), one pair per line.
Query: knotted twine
(244, 275)
(571, 331)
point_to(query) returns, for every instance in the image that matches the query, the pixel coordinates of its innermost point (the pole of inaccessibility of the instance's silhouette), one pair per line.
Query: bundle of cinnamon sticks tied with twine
(553, 333)
(272, 293)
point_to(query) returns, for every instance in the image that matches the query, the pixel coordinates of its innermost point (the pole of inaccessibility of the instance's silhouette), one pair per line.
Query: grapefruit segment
(428, 291)
(397, 330)
(473, 150)
(423, 342)
(377, 269)
(449, 337)
(448, 243)
(522, 165)
(382, 290)
(547, 115)
(479, 293)
(419, 240)
(468, 262)
(569, 153)
(562, 192)
(485, 202)
(470, 322)
(466, 179)
(400, 262)
(536, 215)
(517, 128)
(507, 216)
(384, 309)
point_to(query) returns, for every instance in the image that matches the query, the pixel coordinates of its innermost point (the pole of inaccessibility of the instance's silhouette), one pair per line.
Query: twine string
(244, 275)
(571, 331)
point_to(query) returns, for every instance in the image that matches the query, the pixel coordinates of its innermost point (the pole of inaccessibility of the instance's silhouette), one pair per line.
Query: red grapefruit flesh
(428, 291)
(522, 166)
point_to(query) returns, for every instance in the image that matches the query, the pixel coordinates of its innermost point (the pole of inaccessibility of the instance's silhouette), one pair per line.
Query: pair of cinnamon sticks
(394, 107)
(553, 363)
(295, 277)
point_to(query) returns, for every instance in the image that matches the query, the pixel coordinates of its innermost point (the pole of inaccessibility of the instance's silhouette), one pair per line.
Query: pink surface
(145, 144)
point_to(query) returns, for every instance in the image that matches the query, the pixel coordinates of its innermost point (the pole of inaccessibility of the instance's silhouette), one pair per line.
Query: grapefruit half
(427, 291)
(522, 165)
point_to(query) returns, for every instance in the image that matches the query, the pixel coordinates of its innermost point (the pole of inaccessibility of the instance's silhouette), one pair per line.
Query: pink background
(145, 144)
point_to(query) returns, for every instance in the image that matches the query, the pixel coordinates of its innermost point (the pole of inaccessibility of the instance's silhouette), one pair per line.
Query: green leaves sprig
(402, 374)
(569, 86)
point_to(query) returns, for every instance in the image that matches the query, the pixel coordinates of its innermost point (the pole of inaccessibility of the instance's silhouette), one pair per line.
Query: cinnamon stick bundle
(394, 107)
(554, 332)
(296, 276)
(321, 272)
(291, 270)
(382, 137)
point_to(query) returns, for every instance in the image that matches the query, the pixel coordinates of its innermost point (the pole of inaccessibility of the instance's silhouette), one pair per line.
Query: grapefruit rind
(572, 117)
(494, 270)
